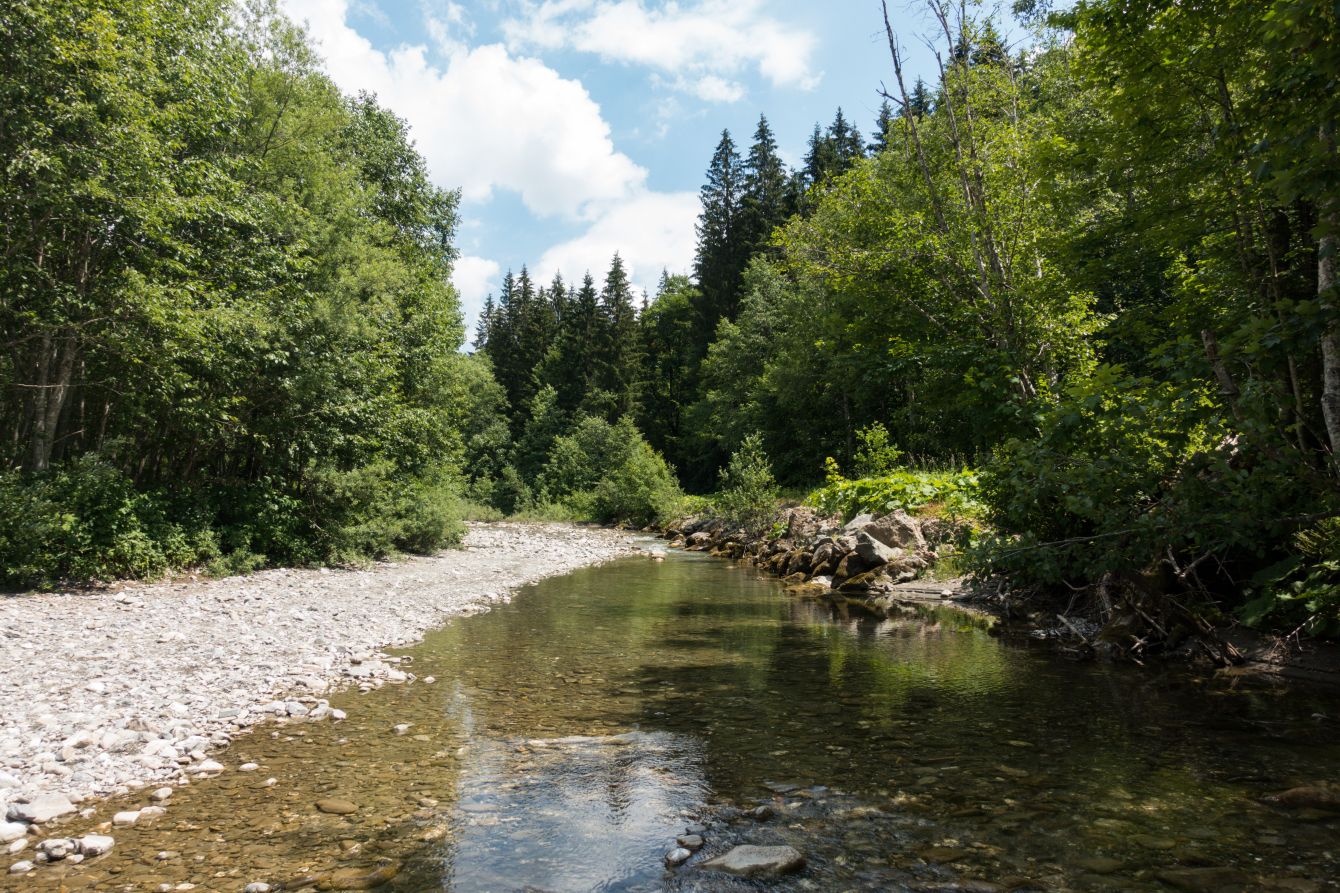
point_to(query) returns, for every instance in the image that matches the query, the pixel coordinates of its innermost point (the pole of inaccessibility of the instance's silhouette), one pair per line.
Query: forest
(1077, 290)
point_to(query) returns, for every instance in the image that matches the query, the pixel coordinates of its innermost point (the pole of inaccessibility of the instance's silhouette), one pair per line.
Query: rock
(207, 766)
(126, 819)
(1100, 864)
(14, 847)
(42, 808)
(21, 867)
(402, 728)
(12, 831)
(678, 856)
(897, 530)
(1208, 880)
(160, 795)
(758, 861)
(850, 566)
(338, 715)
(873, 552)
(257, 887)
(8, 781)
(762, 813)
(248, 767)
(95, 844)
(690, 841)
(358, 878)
(336, 806)
(1310, 797)
(857, 523)
(870, 581)
(57, 848)
(152, 812)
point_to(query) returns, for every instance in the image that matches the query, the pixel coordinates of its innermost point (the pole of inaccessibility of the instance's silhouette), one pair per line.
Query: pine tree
(918, 102)
(764, 205)
(484, 324)
(722, 251)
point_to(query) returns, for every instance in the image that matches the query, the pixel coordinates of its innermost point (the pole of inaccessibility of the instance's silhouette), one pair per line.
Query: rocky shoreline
(107, 691)
(873, 562)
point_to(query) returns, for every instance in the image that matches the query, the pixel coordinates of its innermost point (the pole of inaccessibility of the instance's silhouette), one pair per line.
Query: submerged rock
(95, 844)
(41, 809)
(336, 806)
(758, 861)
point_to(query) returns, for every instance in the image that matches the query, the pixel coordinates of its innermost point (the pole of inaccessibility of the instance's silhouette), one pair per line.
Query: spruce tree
(722, 250)
(847, 144)
(765, 183)
(879, 140)
(619, 355)
(570, 365)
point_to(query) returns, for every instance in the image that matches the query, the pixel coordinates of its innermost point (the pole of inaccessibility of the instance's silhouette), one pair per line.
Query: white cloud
(651, 232)
(488, 120)
(475, 278)
(698, 43)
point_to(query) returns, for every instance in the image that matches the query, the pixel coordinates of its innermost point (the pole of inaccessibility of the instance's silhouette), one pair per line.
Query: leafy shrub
(748, 493)
(639, 491)
(1130, 474)
(876, 456)
(954, 493)
(1301, 592)
(84, 521)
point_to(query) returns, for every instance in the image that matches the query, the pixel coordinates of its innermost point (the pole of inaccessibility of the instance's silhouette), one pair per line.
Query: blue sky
(575, 128)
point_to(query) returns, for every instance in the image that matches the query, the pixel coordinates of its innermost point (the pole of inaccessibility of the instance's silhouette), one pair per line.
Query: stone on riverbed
(126, 819)
(758, 861)
(1208, 880)
(42, 808)
(12, 831)
(57, 848)
(336, 806)
(95, 844)
(678, 856)
(21, 867)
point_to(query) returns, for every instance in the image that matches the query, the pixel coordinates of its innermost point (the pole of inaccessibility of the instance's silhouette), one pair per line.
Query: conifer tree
(765, 183)
(619, 356)
(879, 140)
(569, 366)
(722, 250)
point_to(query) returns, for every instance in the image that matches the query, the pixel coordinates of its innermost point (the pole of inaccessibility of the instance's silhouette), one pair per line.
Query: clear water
(573, 734)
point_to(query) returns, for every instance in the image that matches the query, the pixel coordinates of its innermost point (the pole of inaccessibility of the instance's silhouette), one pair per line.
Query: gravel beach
(105, 690)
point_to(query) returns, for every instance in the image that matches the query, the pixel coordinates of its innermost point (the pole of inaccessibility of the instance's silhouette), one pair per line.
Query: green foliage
(85, 522)
(951, 494)
(747, 494)
(224, 281)
(1131, 473)
(1301, 593)
(876, 455)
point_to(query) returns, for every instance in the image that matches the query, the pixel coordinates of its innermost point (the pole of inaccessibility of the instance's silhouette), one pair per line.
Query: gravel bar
(107, 690)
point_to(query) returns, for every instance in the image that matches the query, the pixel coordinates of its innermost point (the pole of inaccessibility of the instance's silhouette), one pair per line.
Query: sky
(580, 128)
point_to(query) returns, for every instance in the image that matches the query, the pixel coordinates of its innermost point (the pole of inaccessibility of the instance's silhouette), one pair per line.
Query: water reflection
(576, 732)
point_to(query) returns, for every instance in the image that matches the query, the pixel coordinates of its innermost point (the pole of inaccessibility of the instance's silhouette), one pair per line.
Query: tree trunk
(55, 372)
(1330, 341)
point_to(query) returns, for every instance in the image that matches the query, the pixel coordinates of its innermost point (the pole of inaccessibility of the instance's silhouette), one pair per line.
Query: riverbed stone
(161, 794)
(126, 818)
(12, 831)
(95, 844)
(751, 861)
(337, 806)
(22, 867)
(678, 856)
(57, 848)
(1208, 880)
(690, 841)
(42, 808)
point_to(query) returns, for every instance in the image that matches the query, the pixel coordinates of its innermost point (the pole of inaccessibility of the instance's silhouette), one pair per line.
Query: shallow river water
(572, 735)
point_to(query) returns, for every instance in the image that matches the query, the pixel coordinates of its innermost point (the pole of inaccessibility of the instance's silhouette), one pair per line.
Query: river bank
(105, 690)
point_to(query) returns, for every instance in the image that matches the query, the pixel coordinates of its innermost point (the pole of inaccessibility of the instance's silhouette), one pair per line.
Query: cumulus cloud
(489, 119)
(652, 231)
(475, 278)
(699, 43)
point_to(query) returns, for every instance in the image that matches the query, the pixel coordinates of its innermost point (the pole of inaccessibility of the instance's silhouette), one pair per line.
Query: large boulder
(873, 552)
(851, 565)
(857, 523)
(897, 530)
(758, 861)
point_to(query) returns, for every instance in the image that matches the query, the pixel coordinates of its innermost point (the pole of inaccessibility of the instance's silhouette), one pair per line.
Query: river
(573, 734)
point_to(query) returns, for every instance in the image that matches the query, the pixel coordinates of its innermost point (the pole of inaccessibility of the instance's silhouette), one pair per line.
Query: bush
(84, 522)
(876, 456)
(748, 493)
(1132, 475)
(639, 491)
(954, 494)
